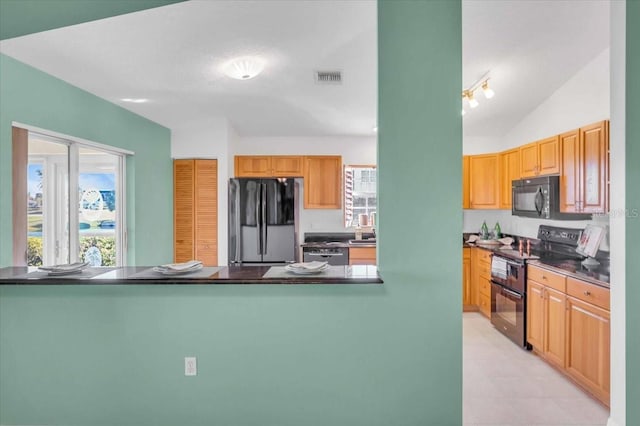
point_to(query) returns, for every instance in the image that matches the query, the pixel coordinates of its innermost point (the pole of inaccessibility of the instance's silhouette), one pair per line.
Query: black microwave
(540, 198)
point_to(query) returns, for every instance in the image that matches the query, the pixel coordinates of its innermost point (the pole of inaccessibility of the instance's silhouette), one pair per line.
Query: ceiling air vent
(328, 77)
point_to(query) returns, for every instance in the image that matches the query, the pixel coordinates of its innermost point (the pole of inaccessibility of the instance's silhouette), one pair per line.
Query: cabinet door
(183, 210)
(535, 315)
(467, 298)
(483, 181)
(322, 182)
(588, 358)
(286, 166)
(570, 172)
(509, 170)
(206, 211)
(549, 156)
(529, 160)
(593, 162)
(465, 182)
(554, 326)
(252, 166)
(362, 256)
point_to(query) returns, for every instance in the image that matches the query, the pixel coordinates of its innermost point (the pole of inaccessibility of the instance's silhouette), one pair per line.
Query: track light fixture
(468, 94)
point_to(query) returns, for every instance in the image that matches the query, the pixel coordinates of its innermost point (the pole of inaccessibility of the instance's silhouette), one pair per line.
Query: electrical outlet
(190, 366)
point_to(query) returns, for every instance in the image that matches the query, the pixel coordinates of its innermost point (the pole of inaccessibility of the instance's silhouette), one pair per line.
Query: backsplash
(524, 226)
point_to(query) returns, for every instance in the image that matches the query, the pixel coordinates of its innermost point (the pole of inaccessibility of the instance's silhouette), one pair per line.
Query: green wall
(633, 205)
(32, 97)
(280, 355)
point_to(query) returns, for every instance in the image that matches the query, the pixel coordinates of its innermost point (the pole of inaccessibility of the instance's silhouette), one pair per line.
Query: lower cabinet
(362, 255)
(588, 357)
(568, 326)
(480, 292)
(467, 297)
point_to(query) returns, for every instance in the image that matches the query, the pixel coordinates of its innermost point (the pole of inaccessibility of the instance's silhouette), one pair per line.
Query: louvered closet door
(206, 211)
(183, 210)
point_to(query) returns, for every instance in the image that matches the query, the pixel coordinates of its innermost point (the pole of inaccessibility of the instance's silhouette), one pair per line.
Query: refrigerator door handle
(258, 223)
(264, 218)
(236, 200)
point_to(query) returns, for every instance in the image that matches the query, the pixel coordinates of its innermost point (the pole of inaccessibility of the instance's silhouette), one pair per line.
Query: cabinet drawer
(484, 271)
(589, 293)
(485, 287)
(484, 256)
(547, 278)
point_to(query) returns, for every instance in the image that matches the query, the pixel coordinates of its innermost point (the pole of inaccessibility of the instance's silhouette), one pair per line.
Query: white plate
(304, 271)
(165, 271)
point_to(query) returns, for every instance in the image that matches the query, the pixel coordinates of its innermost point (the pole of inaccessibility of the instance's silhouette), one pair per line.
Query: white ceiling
(171, 56)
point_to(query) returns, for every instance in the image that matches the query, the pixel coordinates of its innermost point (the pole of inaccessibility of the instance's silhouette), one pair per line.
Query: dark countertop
(573, 268)
(233, 275)
(339, 245)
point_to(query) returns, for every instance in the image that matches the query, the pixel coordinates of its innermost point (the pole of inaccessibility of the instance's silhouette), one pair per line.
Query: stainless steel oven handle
(324, 254)
(512, 293)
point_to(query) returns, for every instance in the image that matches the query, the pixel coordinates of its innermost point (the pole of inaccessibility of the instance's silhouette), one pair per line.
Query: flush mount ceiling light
(468, 94)
(244, 68)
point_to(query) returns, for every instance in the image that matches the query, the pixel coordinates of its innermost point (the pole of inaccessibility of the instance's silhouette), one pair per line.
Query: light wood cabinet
(362, 255)
(584, 172)
(540, 158)
(268, 166)
(465, 182)
(484, 188)
(195, 211)
(322, 182)
(588, 343)
(554, 331)
(509, 171)
(467, 298)
(568, 325)
(546, 304)
(481, 280)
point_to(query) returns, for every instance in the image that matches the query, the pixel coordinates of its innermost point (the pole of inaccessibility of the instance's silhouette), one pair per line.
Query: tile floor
(504, 385)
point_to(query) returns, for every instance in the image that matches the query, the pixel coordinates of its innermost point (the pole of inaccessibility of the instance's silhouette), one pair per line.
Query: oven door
(508, 312)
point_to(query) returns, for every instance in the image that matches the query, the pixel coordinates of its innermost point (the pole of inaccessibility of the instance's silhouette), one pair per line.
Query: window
(60, 173)
(360, 199)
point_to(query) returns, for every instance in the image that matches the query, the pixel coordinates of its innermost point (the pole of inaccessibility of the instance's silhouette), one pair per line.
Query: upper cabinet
(269, 166)
(585, 169)
(509, 171)
(484, 188)
(540, 158)
(465, 182)
(322, 175)
(322, 182)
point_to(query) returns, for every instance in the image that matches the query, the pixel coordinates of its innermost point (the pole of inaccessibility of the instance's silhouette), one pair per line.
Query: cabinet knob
(587, 293)
(544, 277)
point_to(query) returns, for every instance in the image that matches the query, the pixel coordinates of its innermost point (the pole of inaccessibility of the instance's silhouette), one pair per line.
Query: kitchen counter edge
(233, 275)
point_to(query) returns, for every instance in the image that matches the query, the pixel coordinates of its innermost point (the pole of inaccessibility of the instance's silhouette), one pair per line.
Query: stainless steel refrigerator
(262, 221)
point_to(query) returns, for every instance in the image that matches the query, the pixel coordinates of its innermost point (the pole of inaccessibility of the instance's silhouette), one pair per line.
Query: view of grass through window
(48, 233)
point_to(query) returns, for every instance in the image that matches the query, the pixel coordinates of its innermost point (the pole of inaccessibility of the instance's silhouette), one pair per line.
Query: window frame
(20, 182)
(344, 189)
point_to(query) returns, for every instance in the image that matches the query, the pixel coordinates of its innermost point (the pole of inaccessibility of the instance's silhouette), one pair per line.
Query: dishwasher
(332, 255)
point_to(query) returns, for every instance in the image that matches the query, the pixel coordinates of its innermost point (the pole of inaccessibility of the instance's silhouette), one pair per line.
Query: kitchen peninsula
(356, 274)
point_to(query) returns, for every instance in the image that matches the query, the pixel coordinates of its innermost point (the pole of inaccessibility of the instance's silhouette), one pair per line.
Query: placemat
(149, 274)
(331, 272)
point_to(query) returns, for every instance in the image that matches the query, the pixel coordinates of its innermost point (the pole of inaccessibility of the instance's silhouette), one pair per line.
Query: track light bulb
(488, 92)
(472, 101)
